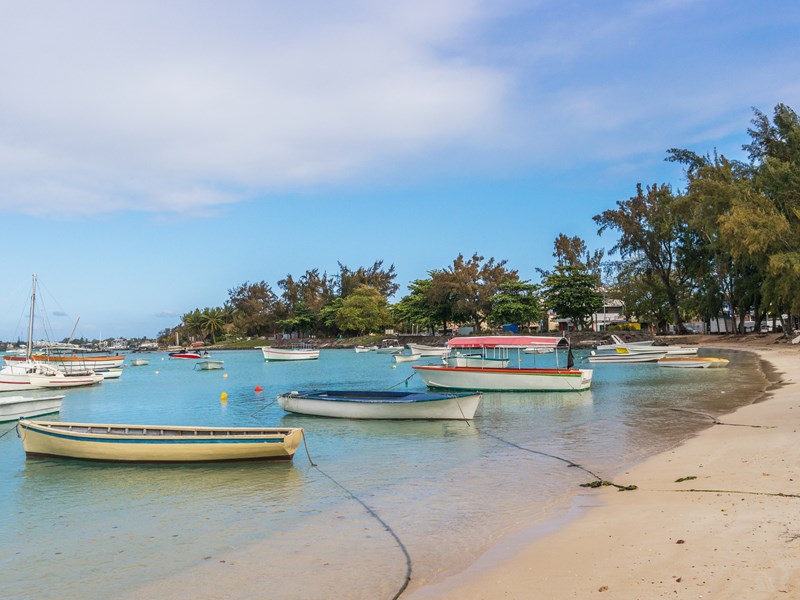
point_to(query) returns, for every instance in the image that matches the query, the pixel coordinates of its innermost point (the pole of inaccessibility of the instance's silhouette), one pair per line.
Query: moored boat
(157, 443)
(186, 355)
(626, 356)
(390, 346)
(506, 379)
(209, 365)
(401, 358)
(693, 362)
(72, 363)
(475, 360)
(18, 407)
(381, 404)
(139, 362)
(363, 349)
(296, 352)
(425, 350)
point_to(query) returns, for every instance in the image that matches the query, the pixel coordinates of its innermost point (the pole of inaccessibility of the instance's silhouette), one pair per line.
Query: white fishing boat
(693, 362)
(157, 443)
(209, 365)
(390, 346)
(296, 352)
(139, 362)
(364, 349)
(424, 350)
(538, 350)
(356, 404)
(506, 379)
(18, 407)
(623, 355)
(401, 358)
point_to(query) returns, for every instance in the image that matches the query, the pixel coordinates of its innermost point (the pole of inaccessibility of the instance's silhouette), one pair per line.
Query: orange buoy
(259, 388)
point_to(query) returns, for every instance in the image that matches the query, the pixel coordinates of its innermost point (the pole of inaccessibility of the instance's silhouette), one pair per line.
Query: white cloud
(171, 106)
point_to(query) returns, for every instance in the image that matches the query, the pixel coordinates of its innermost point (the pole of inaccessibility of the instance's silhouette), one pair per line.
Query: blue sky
(154, 155)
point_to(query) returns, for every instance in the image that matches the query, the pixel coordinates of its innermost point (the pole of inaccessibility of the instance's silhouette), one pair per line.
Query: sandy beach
(716, 517)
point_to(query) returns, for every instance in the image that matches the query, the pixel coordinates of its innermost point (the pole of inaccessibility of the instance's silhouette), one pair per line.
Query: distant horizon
(154, 156)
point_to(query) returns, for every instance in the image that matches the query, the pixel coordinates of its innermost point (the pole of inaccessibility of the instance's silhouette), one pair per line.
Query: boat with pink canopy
(494, 378)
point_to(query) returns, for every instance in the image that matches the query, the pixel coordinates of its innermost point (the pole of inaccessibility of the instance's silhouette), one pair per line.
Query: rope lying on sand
(593, 484)
(718, 422)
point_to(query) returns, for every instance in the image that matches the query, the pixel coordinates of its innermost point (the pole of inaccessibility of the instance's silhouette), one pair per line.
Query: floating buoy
(258, 388)
(223, 397)
(156, 372)
(394, 366)
(224, 375)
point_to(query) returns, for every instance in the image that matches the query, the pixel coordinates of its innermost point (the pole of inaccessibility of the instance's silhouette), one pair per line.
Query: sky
(156, 154)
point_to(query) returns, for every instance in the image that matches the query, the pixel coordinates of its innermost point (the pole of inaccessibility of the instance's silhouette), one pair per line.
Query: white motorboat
(390, 346)
(363, 349)
(505, 379)
(209, 365)
(625, 356)
(296, 352)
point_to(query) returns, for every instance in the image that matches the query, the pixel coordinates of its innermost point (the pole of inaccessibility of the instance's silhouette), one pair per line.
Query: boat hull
(381, 405)
(491, 379)
(18, 407)
(210, 365)
(279, 354)
(693, 362)
(428, 350)
(154, 443)
(400, 358)
(73, 364)
(638, 357)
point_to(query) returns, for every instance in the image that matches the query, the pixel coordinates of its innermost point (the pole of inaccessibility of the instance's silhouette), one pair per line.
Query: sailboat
(30, 374)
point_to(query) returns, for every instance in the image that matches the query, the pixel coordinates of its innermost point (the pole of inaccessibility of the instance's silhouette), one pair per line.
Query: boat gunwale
(382, 398)
(509, 370)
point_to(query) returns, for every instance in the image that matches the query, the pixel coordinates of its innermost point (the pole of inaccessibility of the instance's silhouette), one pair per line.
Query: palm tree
(212, 321)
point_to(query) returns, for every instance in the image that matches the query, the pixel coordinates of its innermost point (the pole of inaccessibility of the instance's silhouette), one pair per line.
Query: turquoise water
(448, 490)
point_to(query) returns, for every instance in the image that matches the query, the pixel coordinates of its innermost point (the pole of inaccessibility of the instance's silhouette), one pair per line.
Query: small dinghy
(381, 405)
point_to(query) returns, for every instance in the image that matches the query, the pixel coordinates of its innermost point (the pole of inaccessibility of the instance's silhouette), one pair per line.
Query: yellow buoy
(223, 397)
(224, 375)
(394, 366)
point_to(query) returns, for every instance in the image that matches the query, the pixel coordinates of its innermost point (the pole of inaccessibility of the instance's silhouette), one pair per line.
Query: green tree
(252, 308)
(212, 322)
(572, 292)
(572, 251)
(516, 302)
(364, 310)
(652, 233)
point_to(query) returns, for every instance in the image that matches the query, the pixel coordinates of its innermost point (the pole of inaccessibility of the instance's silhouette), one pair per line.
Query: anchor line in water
(375, 516)
(267, 405)
(600, 481)
(404, 381)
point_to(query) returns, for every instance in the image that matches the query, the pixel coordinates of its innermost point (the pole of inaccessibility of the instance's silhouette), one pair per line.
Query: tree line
(728, 244)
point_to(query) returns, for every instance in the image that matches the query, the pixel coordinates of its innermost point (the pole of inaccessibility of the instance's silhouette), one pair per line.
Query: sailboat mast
(30, 322)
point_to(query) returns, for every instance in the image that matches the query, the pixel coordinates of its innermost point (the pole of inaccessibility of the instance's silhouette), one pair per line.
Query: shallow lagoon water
(448, 490)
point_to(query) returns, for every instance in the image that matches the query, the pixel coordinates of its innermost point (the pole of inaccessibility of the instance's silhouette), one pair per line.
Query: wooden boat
(186, 355)
(381, 404)
(506, 379)
(209, 365)
(18, 407)
(31, 375)
(538, 350)
(139, 362)
(618, 342)
(296, 352)
(401, 358)
(73, 363)
(111, 374)
(428, 350)
(693, 362)
(157, 443)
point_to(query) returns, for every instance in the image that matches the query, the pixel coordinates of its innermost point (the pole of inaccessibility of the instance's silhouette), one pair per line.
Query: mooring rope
(9, 431)
(716, 421)
(600, 481)
(374, 515)
(402, 382)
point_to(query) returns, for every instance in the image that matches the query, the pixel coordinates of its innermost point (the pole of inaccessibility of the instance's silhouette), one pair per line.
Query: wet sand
(716, 517)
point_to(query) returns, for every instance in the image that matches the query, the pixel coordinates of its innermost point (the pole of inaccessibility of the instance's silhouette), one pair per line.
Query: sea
(366, 510)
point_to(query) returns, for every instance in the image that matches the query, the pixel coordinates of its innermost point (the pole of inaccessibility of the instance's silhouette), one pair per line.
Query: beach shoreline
(726, 530)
